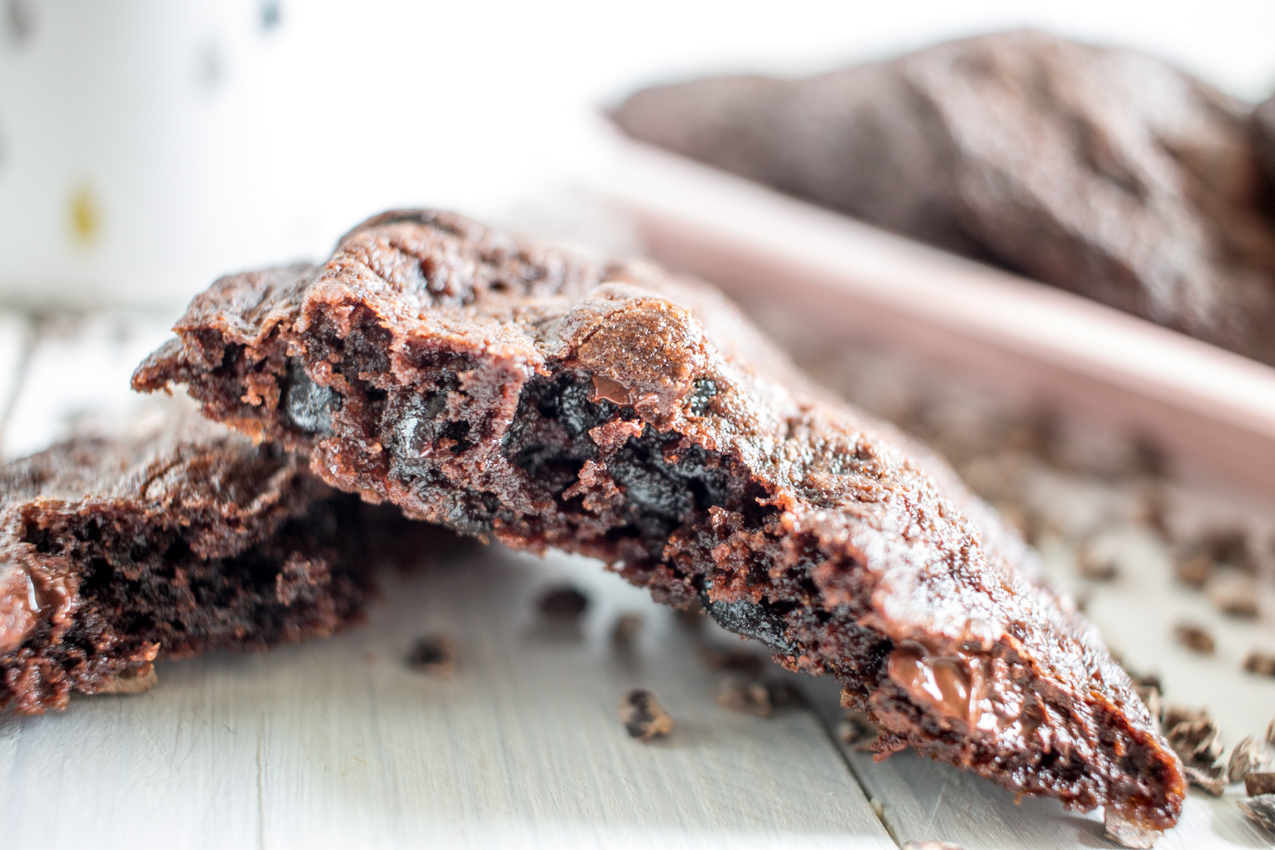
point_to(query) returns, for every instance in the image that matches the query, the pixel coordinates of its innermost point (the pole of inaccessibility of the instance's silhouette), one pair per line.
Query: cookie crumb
(857, 731)
(625, 631)
(747, 696)
(563, 602)
(1126, 833)
(1194, 569)
(1256, 783)
(1249, 756)
(643, 716)
(1263, 664)
(1194, 638)
(1260, 810)
(1150, 696)
(434, 655)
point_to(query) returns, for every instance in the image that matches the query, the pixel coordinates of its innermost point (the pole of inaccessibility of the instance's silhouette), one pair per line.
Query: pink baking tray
(1210, 408)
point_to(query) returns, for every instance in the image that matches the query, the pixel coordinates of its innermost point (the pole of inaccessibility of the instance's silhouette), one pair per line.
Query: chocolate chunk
(1128, 833)
(843, 546)
(856, 730)
(563, 603)
(643, 716)
(1018, 149)
(164, 544)
(1194, 638)
(745, 695)
(1263, 664)
(434, 655)
(1260, 810)
(1249, 755)
(1259, 783)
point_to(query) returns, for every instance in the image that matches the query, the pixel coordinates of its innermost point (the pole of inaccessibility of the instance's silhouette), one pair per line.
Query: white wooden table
(338, 743)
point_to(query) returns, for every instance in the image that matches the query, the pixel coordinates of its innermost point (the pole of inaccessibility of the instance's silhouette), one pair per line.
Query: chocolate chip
(643, 716)
(434, 655)
(856, 730)
(1249, 756)
(747, 696)
(1194, 638)
(1260, 810)
(1263, 664)
(563, 603)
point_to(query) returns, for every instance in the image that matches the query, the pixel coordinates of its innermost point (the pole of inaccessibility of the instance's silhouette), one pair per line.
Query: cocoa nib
(435, 655)
(643, 716)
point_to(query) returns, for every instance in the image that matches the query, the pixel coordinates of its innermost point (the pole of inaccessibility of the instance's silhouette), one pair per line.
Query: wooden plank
(77, 374)
(1200, 401)
(338, 744)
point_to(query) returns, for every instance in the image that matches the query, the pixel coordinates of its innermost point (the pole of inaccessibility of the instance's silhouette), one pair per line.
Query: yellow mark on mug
(85, 217)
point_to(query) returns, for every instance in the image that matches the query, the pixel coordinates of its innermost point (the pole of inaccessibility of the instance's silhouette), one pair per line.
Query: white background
(205, 139)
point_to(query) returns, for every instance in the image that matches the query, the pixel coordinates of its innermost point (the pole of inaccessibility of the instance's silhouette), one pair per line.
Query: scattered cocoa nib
(1194, 638)
(745, 695)
(856, 730)
(625, 630)
(1150, 696)
(733, 660)
(135, 680)
(1096, 565)
(692, 617)
(1194, 569)
(1126, 833)
(1194, 736)
(563, 602)
(1259, 783)
(1210, 780)
(643, 716)
(1234, 594)
(435, 655)
(1260, 810)
(1229, 546)
(1263, 664)
(1249, 755)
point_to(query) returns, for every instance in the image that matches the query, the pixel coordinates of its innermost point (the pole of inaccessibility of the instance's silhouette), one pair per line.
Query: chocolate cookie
(1102, 171)
(116, 552)
(513, 391)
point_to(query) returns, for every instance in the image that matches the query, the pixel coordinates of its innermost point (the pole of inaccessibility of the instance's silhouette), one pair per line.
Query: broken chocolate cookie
(521, 393)
(117, 552)
(1099, 170)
